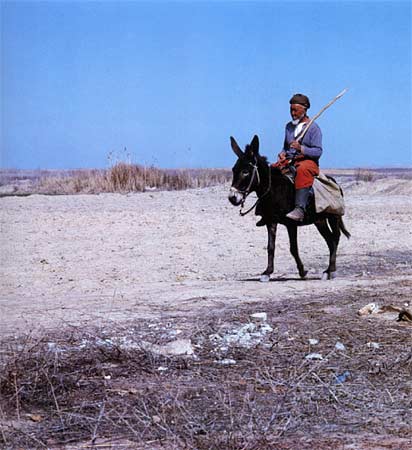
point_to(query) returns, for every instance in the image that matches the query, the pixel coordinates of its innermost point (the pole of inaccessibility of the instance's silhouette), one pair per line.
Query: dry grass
(124, 177)
(120, 177)
(364, 175)
(86, 388)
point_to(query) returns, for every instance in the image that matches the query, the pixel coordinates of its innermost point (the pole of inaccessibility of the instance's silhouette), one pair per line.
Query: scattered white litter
(162, 369)
(156, 419)
(260, 317)
(248, 335)
(226, 362)
(313, 341)
(373, 345)
(370, 308)
(340, 346)
(314, 356)
(175, 348)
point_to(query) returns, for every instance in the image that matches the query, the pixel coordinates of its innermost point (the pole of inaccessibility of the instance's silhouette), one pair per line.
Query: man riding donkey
(300, 155)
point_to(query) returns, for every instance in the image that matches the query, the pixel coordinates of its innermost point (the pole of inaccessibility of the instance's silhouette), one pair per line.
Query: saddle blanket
(328, 196)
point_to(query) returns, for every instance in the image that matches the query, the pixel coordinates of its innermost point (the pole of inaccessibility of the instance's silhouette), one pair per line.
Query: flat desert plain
(180, 260)
(82, 258)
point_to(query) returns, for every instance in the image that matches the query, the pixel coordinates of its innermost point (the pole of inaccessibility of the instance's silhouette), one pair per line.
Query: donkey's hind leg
(331, 236)
(293, 243)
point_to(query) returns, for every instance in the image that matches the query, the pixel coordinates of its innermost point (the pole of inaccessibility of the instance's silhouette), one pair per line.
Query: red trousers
(306, 171)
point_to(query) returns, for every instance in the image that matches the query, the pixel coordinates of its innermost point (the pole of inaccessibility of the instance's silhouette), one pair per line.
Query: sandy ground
(95, 258)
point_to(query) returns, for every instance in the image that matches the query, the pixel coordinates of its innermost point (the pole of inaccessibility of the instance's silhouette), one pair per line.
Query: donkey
(276, 197)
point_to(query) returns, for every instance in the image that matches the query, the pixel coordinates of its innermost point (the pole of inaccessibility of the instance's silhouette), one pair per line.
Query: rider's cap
(300, 99)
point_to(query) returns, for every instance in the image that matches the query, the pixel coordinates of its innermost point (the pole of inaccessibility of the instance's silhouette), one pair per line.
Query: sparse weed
(122, 177)
(364, 175)
(126, 177)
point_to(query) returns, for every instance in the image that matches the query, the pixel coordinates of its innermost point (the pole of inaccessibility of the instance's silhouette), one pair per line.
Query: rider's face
(297, 111)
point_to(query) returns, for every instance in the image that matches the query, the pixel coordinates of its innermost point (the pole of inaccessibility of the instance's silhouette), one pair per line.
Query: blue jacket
(312, 142)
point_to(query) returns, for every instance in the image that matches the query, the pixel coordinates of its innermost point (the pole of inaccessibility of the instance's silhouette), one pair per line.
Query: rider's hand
(282, 156)
(291, 153)
(295, 145)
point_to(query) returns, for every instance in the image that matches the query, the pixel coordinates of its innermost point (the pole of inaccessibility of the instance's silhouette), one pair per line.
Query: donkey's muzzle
(235, 197)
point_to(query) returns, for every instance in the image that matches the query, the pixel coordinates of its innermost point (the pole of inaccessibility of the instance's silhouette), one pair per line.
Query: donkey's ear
(254, 145)
(235, 147)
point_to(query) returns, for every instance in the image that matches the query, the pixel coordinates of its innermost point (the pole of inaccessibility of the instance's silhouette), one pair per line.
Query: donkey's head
(245, 172)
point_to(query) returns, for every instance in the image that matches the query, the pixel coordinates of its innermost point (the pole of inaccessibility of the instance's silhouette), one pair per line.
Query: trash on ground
(226, 362)
(405, 315)
(390, 312)
(179, 347)
(262, 316)
(35, 417)
(342, 377)
(372, 345)
(248, 335)
(370, 308)
(314, 356)
(340, 346)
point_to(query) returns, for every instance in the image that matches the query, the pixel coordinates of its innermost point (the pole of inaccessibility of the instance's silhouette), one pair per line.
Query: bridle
(247, 191)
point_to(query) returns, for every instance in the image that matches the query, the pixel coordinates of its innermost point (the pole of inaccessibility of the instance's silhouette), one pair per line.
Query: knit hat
(300, 99)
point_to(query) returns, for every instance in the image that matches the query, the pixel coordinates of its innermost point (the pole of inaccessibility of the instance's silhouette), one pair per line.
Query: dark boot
(301, 200)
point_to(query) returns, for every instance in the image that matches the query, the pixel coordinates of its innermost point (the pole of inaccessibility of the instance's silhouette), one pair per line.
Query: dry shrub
(364, 175)
(125, 177)
(81, 385)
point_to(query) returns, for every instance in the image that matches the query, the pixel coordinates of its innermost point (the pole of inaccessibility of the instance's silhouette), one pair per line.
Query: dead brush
(365, 175)
(125, 177)
(85, 386)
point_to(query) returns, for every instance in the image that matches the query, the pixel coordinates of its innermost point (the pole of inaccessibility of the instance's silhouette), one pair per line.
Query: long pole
(302, 134)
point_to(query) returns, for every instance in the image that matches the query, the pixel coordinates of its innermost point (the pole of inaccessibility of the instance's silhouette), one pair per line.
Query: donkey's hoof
(303, 274)
(264, 278)
(328, 276)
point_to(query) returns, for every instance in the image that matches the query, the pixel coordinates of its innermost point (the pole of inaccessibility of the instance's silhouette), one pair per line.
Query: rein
(247, 192)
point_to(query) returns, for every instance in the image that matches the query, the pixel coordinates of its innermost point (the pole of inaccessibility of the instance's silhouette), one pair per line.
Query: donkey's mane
(264, 160)
(273, 169)
(260, 157)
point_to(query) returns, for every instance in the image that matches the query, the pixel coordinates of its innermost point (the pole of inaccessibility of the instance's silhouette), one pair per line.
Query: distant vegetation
(121, 177)
(364, 175)
(124, 177)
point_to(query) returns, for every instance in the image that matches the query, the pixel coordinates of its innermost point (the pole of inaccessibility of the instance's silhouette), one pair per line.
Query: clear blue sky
(171, 81)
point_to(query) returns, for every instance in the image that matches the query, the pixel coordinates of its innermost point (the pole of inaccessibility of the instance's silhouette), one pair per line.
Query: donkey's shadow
(281, 279)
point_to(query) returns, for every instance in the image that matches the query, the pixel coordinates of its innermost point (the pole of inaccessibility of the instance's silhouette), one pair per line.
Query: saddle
(287, 168)
(327, 192)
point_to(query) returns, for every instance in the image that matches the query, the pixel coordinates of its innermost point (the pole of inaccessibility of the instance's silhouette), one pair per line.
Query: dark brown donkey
(276, 195)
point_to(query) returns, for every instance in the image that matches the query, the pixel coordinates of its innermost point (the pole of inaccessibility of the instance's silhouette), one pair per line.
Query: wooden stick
(303, 132)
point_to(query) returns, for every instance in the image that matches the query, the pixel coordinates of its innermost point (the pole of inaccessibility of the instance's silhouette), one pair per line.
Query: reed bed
(121, 177)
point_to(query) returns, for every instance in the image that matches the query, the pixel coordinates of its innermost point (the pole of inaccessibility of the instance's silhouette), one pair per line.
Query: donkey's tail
(343, 228)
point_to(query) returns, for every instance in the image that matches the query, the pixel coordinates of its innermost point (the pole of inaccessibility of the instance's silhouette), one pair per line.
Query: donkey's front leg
(271, 251)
